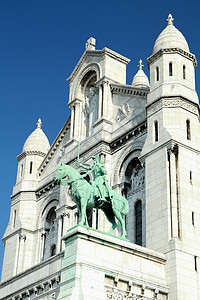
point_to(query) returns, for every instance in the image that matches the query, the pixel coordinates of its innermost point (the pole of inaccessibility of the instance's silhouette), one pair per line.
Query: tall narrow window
(53, 250)
(22, 168)
(138, 222)
(184, 69)
(14, 218)
(193, 218)
(170, 69)
(156, 131)
(190, 177)
(188, 130)
(157, 74)
(195, 263)
(31, 167)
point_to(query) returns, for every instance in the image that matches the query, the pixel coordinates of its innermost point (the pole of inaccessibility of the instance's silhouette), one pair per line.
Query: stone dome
(37, 140)
(140, 79)
(170, 37)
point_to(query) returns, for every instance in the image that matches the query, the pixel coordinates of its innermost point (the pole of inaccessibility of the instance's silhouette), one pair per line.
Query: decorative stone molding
(135, 133)
(26, 153)
(172, 102)
(129, 90)
(46, 188)
(190, 56)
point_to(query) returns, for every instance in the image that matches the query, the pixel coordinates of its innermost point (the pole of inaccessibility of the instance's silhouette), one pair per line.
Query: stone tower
(20, 238)
(171, 157)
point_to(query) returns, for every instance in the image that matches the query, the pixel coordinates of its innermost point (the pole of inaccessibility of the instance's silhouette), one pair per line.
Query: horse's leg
(110, 216)
(121, 220)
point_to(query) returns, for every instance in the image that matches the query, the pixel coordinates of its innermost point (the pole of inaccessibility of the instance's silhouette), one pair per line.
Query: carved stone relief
(123, 111)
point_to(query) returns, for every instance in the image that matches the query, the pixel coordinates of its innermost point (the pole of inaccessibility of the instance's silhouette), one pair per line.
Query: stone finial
(140, 65)
(90, 45)
(170, 19)
(39, 123)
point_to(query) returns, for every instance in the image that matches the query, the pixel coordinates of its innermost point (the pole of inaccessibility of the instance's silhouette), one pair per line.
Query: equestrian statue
(94, 194)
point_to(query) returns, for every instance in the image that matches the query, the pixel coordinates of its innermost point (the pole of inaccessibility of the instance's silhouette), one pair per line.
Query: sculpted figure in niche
(90, 108)
(138, 177)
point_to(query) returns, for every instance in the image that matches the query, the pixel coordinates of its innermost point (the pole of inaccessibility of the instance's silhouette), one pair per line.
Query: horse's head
(61, 172)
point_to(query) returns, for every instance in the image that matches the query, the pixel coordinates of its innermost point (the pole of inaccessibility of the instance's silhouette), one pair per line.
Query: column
(72, 122)
(100, 102)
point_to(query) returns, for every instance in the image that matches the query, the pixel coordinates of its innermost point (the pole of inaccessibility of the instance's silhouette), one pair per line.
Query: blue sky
(40, 44)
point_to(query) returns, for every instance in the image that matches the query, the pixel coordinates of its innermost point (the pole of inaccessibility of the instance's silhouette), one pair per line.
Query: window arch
(170, 69)
(188, 130)
(138, 222)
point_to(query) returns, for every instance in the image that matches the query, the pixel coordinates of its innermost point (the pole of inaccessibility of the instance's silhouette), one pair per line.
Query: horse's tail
(125, 208)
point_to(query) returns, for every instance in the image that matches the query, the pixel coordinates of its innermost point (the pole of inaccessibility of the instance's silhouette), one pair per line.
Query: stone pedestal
(99, 266)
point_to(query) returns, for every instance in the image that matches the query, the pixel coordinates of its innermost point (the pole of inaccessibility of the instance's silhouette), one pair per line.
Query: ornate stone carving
(137, 180)
(175, 102)
(123, 111)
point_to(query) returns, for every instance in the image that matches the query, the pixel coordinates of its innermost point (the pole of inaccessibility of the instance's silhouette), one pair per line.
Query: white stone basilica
(148, 137)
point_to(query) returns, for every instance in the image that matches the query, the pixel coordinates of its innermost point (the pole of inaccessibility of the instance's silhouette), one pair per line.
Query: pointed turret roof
(37, 140)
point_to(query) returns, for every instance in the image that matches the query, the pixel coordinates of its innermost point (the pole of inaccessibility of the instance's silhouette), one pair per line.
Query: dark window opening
(22, 167)
(14, 218)
(53, 250)
(193, 218)
(138, 222)
(195, 263)
(157, 74)
(190, 177)
(31, 167)
(188, 130)
(156, 130)
(184, 71)
(170, 69)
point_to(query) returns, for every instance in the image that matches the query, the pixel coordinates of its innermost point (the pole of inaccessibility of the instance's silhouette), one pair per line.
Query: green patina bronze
(96, 194)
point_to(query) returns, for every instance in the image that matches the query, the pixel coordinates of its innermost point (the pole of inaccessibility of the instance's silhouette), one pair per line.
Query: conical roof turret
(37, 140)
(140, 79)
(170, 37)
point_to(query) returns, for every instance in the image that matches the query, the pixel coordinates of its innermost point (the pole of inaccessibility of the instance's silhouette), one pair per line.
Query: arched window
(156, 131)
(170, 69)
(157, 74)
(138, 222)
(184, 71)
(31, 167)
(188, 129)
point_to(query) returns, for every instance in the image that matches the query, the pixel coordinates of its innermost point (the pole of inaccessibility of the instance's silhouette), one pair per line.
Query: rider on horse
(100, 183)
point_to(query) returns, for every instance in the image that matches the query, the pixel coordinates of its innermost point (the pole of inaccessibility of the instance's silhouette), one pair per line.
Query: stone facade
(147, 136)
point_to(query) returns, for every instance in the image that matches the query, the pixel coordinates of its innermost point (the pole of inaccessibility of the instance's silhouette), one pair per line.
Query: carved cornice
(155, 56)
(54, 146)
(35, 152)
(102, 52)
(48, 187)
(172, 102)
(134, 133)
(129, 90)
